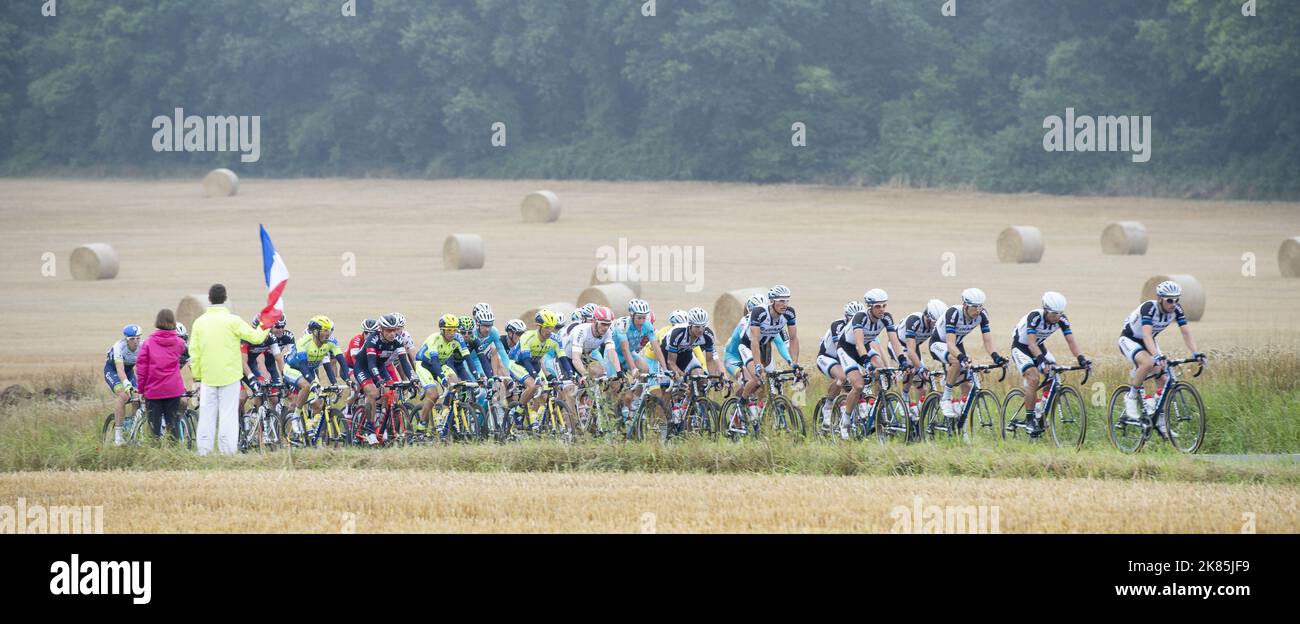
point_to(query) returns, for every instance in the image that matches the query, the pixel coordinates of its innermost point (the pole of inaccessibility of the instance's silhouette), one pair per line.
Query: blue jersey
(636, 337)
(483, 346)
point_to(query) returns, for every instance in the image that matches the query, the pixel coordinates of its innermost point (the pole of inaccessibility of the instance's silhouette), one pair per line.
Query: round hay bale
(1288, 257)
(193, 306)
(1020, 244)
(540, 207)
(94, 261)
(614, 296)
(564, 309)
(463, 251)
(15, 394)
(1124, 238)
(1193, 299)
(220, 183)
(730, 307)
(617, 274)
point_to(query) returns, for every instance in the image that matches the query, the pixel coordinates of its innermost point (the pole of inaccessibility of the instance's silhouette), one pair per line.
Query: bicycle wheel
(294, 429)
(1012, 406)
(933, 423)
(107, 435)
(784, 420)
(732, 412)
(1185, 418)
(1126, 435)
(892, 419)
(710, 414)
(651, 420)
(983, 420)
(1067, 418)
(826, 407)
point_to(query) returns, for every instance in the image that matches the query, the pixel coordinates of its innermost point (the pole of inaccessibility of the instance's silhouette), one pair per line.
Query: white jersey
(1149, 313)
(957, 323)
(1035, 324)
(406, 341)
(583, 340)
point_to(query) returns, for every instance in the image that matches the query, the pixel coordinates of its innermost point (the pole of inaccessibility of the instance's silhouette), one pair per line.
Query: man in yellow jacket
(215, 360)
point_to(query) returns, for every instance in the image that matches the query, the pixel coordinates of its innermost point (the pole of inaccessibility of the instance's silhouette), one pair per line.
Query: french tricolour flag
(277, 277)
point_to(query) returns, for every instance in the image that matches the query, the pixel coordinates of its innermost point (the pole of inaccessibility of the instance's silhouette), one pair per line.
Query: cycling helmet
(181, 331)
(1053, 302)
(369, 326)
(387, 321)
(935, 309)
(677, 317)
(697, 316)
(515, 326)
(638, 306)
(1169, 289)
(972, 297)
(576, 316)
(448, 321)
(778, 292)
(852, 308)
(131, 331)
(320, 323)
(602, 314)
(547, 318)
(401, 320)
(282, 323)
(537, 318)
(587, 310)
(874, 296)
(621, 323)
(756, 301)
(483, 314)
(465, 324)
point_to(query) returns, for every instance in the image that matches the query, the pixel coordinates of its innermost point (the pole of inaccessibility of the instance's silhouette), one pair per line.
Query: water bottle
(1149, 403)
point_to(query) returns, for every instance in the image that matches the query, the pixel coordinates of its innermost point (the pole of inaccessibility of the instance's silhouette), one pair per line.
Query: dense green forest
(890, 91)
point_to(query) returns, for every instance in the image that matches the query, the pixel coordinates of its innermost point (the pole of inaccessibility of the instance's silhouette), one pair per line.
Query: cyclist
(445, 358)
(765, 324)
(685, 340)
(373, 366)
(1137, 341)
(828, 361)
(632, 334)
(731, 360)
(264, 361)
(119, 374)
(368, 326)
(1031, 357)
(318, 347)
(535, 347)
(591, 342)
(946, 344)
(918, 327)
(857, 358)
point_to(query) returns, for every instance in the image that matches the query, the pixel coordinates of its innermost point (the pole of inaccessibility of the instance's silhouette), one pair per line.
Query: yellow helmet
(548, 319)
(320, 323)
(448, 321)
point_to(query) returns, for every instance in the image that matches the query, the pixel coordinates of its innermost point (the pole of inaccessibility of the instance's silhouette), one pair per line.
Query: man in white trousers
(215, 362)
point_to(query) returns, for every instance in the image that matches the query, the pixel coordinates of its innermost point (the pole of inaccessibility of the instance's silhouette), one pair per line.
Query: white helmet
(181, 331)
(677, 317)
(756, 301)
(515, 325)
(483, 314)
(1169, 289)
(874, 296)
(1053, 302)
(638, 306)
(972, 297)
(576, 316)
(852, 308)
(935, 309)
(697, 316)
(778, 292)
(401, 320)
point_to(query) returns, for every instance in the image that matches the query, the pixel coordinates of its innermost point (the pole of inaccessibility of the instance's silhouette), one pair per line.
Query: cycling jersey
(914, 327)
(532, 348)
(583, 340)
(1149, 313)
(119, 352)
(830, 339)
(484, 345)
(636, 338)
(957, 323)
(769, 326)
(1035, 324)
(272, 345)
(354, 348)
(871, 328)
(437, 352)
(376, 353)
(306, 355)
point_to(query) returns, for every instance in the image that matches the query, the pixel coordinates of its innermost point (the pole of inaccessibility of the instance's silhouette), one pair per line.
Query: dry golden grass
(366, 501)
(834, 244)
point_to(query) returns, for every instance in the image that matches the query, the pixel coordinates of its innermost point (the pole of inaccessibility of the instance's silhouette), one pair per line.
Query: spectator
(158, 371)
(217, 363)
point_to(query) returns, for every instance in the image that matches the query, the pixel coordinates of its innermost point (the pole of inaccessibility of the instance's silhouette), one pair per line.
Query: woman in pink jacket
(158, 372)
